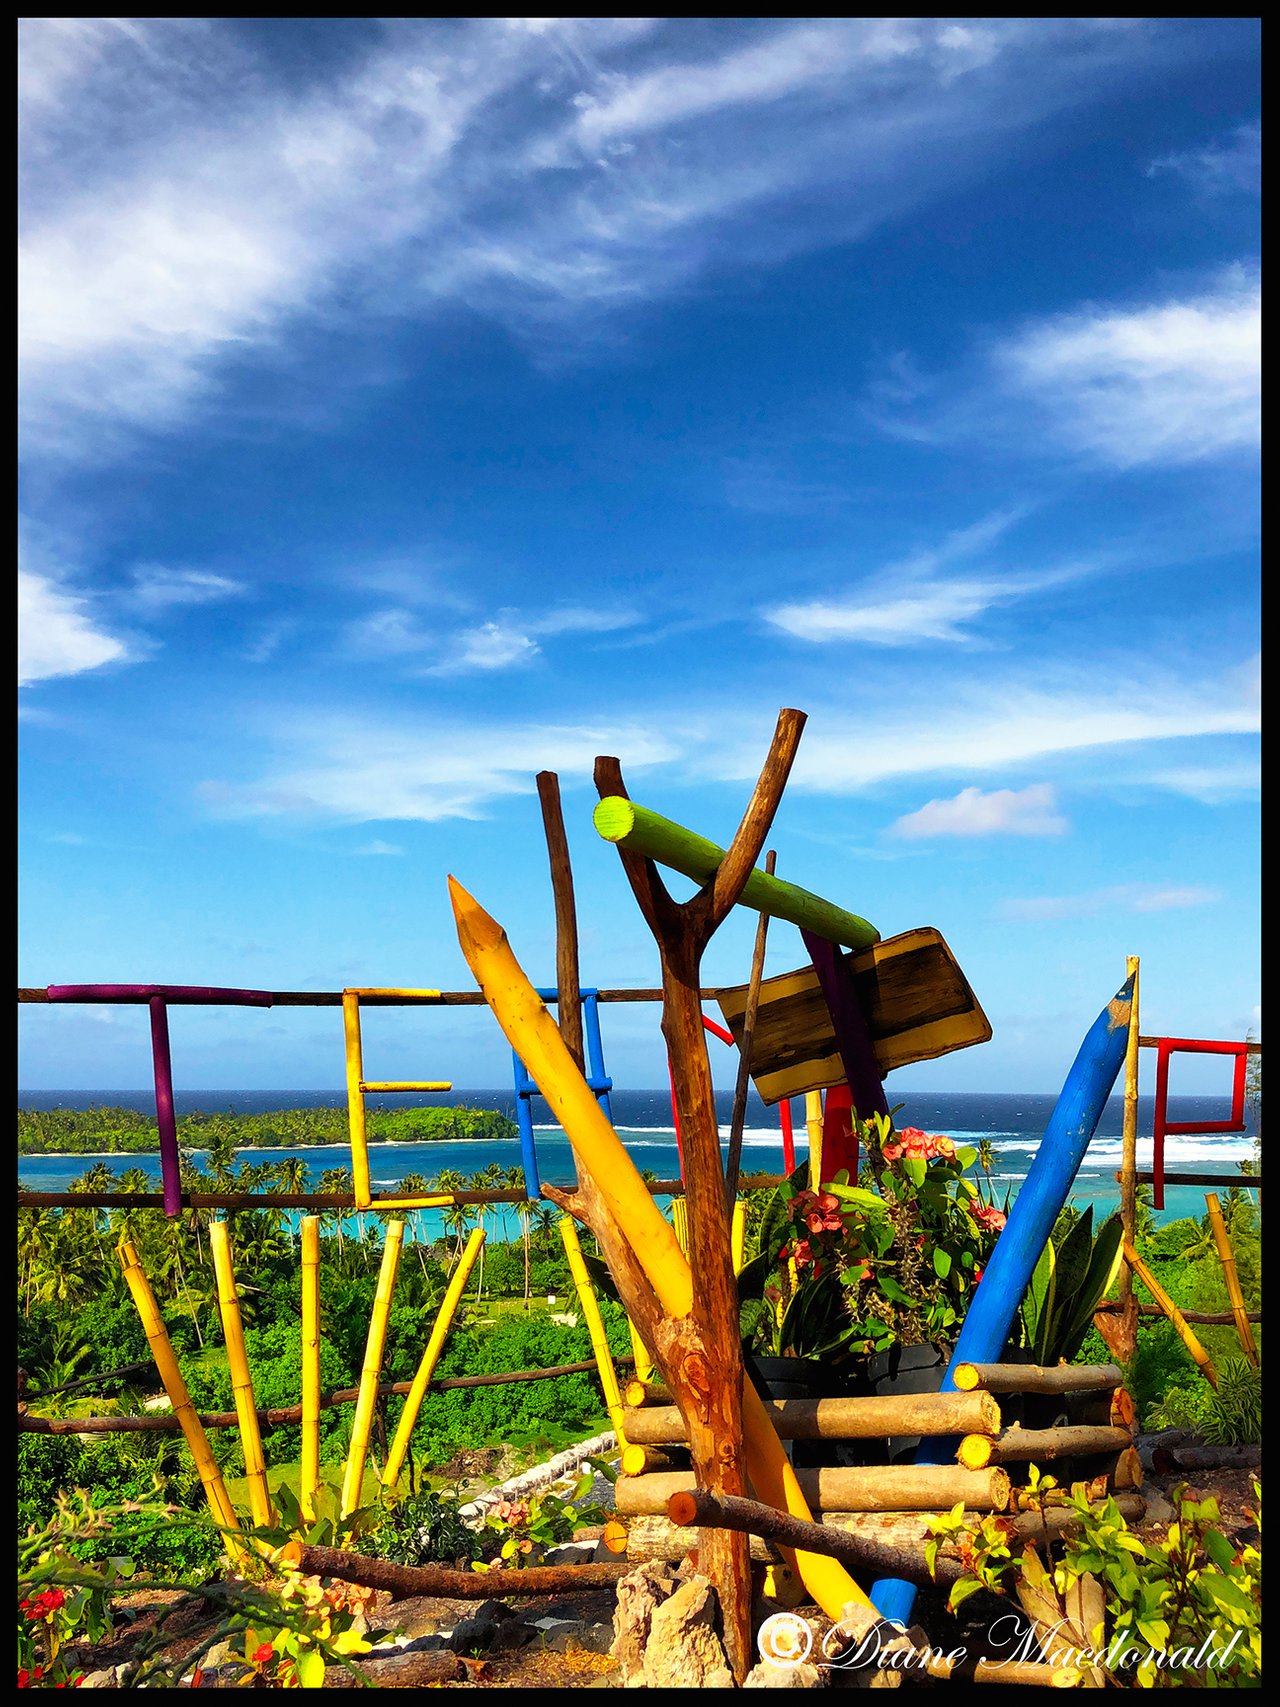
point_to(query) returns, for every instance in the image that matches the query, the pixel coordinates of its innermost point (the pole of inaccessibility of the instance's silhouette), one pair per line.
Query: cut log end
(974, 1452)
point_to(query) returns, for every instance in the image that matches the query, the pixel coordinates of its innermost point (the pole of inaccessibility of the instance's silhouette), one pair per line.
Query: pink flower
(891, 1152)
(989, 1217)
(942, 1147)
(802, 1253)
(828, 1202)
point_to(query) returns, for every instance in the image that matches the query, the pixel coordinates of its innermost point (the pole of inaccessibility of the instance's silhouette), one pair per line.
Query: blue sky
(410, 406)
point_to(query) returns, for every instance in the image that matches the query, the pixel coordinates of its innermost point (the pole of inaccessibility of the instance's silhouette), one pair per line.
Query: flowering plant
(530, 1526)
(852, 1269)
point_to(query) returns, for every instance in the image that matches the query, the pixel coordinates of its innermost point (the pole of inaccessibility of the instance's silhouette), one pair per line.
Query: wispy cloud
(58, 634)
(157, 588)
(916, 600)
(1175, 381)
(1029, 811)
(588, 163)
(507, 641)
(380, 849)
(1120, 898)
(362, 772)
(1231, 166)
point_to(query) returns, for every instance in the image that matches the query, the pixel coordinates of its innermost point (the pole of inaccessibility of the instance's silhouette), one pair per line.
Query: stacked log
(883, 1511)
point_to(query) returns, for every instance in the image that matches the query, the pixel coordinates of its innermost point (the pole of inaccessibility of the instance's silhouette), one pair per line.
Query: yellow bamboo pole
(367, 1395)
(1129, 1136)
(355, 1098)
(1227, 1257)
(1172, 1311)
(640, 1353)
(813, 1125)
(255, 1465)
(530, 1030)
(430, 1357)
(309, 1478)
(595, 1327)
(738, 1234)
(680, 1223)
(176, 1389)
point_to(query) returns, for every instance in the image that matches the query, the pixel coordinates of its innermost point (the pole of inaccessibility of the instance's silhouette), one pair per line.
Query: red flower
(264, 1653)
(802, 1253)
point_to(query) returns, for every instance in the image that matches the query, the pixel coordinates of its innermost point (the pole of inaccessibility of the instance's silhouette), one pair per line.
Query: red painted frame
(1165, 1047)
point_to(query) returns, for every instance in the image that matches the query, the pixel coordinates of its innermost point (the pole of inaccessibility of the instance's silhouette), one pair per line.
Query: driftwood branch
(738, 1119)
(403, 1582)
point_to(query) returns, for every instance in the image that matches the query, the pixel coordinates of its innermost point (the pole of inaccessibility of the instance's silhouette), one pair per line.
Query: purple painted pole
(853, 1040)
(166, 1123)
(192, 993)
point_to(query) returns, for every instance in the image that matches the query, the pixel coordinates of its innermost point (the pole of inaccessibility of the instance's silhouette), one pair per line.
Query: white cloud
(1232, 166)
(1171, 382)
(57, 634)
(505, 642)
(1123, 897)
(491, 646)
(1002, 812)
(156, 588)
(913, 600)
(380, 849)
(525, 171)
(345, 770)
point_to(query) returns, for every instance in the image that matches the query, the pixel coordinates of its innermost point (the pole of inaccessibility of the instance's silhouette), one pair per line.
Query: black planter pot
(901, 1369)
(799, 1378)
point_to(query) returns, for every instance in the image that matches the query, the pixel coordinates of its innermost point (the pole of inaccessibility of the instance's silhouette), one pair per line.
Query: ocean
(1013, 1123)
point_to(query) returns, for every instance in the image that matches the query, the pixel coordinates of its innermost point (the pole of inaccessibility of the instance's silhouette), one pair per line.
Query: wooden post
(176, 1390)
(1027, 1445)
(1171, 1310)
(844, 1419)
(1038, 1378)
(362, 1422)
(430, 1357)
(309, 1477)
(743, 1083)
(639, 1246)
(1227, 1257)
(255, 1466)
(568, 977)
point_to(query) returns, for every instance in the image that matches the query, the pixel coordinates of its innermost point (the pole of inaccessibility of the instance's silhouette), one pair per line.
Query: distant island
(127, 1131)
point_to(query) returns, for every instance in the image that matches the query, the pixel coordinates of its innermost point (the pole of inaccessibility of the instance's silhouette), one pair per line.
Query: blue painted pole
(1031, 1217)
(526, 1090)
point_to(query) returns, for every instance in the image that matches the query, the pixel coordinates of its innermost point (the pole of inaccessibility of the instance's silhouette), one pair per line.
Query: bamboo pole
(595, 1327)
(742, 1083)
(176, 1389)
(843, 1419)
(255, 1465)
(430, 1357)
(530, 1029)
(1227, 1257)
(1038, 1378)
(640, 1355)
(1024, 1445)
(894, 1487)
(680, 1223)
(813, 1126)
(309, 1476)
(641, 831)
(1126, 1330)
(1171, 1310)
(355, 1098)
(738, 1235)
(362, 1422)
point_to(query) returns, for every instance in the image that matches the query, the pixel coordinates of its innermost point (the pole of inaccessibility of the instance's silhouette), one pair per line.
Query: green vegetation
(121, 1131)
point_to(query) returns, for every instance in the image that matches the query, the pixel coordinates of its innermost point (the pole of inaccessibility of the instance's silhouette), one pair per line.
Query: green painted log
(641, 831)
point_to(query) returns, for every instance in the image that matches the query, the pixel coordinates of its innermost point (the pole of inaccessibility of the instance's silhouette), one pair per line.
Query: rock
(1158, 1508)
(480, 1631)
(640, 1593)
(768, 1676)
(683, 1650)
(417, 1617)
(582, 1638)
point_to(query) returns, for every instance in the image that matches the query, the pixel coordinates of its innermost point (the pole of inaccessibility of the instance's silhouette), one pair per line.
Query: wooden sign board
(917, 1003)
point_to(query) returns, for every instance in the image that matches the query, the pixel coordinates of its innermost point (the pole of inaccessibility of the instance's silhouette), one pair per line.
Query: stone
(640, 1593)
(769, 1676)
(683, 1650)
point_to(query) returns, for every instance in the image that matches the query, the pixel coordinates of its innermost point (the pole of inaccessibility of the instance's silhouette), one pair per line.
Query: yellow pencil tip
(476, 928)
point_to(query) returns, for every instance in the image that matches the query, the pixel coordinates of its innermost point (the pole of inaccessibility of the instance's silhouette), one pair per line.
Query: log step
(897, 1487)
(1028, 1445)
(1037, 1377)
(842, 1419)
